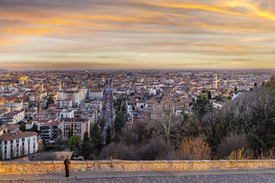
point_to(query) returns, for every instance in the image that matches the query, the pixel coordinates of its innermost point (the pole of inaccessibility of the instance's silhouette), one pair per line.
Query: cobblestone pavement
(243, 178)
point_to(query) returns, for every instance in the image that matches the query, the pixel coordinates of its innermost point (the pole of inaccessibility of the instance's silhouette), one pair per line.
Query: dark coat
(67, 163)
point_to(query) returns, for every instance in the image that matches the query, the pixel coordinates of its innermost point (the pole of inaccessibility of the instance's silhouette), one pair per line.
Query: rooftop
(16, 135)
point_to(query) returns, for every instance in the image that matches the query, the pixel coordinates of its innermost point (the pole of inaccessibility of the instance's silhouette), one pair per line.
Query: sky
(136, 34)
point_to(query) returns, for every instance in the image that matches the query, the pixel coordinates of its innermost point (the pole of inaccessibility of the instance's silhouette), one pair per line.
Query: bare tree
(166, 122)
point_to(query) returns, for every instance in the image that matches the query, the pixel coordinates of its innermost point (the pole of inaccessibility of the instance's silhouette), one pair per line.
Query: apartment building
(66, 103)
(96, 94)
(16, 144)
(78, 127)
(13, 117)
(49, 130)
(77, 96)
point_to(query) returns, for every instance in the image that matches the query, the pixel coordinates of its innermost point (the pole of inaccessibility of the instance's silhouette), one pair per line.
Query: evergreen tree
(70, 133)
(120, 122)
(74, 143)
(44, 144)
(209, 95)
(108, 135)
(34, 128)
(96, 138)
(23, 127)
(50, 100)
(86, 146)
(235, 89)
(201, 106)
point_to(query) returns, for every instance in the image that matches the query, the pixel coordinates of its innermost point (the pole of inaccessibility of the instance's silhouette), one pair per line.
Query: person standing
(67, 163)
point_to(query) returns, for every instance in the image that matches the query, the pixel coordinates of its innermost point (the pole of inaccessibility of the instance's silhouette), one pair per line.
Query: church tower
(216, 80)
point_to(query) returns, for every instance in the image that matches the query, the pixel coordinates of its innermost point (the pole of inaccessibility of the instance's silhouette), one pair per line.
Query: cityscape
(137, 91)
(46, 108)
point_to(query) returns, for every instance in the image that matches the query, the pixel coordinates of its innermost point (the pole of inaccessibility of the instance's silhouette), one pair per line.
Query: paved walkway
(266, 174)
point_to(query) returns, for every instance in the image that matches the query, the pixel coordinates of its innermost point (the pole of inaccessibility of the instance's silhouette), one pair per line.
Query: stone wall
(34, 167)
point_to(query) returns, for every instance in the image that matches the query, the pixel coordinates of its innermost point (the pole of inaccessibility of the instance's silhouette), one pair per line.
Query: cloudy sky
(96, 34)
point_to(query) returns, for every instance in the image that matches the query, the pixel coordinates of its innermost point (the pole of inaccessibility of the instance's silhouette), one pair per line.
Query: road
(215, 176)
(108, 104)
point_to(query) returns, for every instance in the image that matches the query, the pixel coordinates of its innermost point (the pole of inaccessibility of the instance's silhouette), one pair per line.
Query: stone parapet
(34, 167)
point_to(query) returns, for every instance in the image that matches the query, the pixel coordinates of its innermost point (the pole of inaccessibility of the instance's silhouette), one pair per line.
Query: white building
(66, 103)
(17, 144)
(66, 114)
(13, 117)
(96, 94)
(76, 96)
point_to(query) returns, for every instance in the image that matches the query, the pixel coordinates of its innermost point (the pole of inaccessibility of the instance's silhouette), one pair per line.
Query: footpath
(246, 175)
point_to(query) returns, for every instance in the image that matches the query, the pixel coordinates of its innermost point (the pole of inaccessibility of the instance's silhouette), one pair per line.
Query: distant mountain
(1, 70)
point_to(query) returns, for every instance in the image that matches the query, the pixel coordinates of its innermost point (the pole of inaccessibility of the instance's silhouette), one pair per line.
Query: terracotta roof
(3, 128)
(97, 90)
(11, 136)
(74, 119)
(12, 127)
(51, 123)
(29, 122)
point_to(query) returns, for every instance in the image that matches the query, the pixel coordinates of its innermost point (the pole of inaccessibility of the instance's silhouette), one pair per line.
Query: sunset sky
(121, 34)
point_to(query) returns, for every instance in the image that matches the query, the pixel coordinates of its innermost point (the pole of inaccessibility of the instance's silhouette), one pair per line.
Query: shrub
(194, 149)
(255, 142)
(230, 144)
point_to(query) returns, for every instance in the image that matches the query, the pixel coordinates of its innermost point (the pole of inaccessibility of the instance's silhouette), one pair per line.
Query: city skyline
(144, 34)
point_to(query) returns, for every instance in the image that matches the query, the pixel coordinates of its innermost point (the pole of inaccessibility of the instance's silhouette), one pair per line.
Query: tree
(74, 143)
(86, 146)
(209, 96)
(109, 135)
(141, 106)
(102, 122)
(50, 100)
(70, 134)
(235, 89)
(201, 106)
(44, 144)
(59, 133)
(205, 91)
(96, 138)
(270, 85)
(168, 124)
(120, 122)
(34, 128)
(23, 127)
(229, 97)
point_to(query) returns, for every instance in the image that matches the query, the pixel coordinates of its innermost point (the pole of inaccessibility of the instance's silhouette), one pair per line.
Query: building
(96, 94)
(66, 114)
(78, 127)
(13, 117)
(49, 130)
(76, 96)
(17, 144)
(3, 130)
(66, 103)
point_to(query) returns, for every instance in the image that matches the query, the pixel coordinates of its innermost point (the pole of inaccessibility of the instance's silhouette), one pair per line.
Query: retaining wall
(34, 167)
